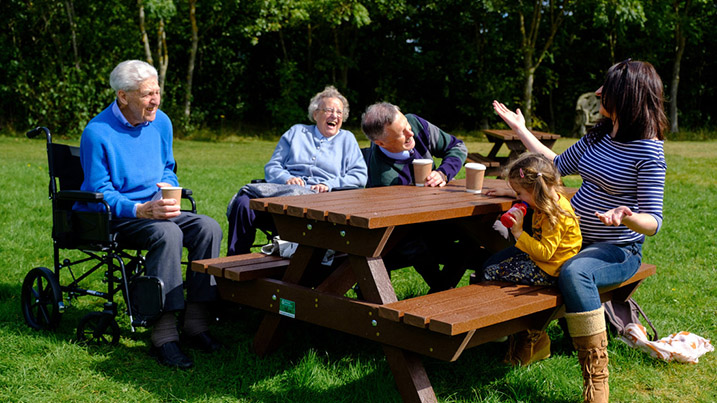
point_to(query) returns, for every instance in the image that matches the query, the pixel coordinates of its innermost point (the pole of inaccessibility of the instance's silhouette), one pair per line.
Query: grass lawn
(321, 366)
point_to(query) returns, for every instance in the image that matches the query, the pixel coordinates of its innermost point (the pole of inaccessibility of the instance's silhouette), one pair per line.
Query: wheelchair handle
(32, 133)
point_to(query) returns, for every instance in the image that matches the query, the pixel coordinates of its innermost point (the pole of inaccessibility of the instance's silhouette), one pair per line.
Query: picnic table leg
(408, 370)
(493, 153)
(372, 278)
(273, 326)
(410, 375)
(340, 280)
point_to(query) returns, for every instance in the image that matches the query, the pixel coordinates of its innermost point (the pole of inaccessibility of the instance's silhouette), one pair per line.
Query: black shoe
(203, 341)
(170, 355)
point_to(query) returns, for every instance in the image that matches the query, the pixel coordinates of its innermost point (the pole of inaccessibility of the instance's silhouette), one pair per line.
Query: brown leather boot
(527, 347)
(590, 340)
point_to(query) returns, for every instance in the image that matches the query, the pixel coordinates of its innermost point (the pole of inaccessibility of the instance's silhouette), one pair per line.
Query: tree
(192, 57)
(535, 43)
(615, 16)
(160, 10)
(685, 27)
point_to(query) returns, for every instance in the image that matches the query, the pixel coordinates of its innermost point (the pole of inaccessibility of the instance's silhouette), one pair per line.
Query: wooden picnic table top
(388, 206)
(509, 135)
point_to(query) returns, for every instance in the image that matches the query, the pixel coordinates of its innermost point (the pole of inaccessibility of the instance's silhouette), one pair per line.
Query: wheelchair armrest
(187, 194)
(80, 195)
(83, 196)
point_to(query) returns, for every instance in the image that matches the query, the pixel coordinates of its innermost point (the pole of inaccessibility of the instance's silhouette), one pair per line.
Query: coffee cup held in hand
(172, 192)
(475, 173)
(421, 169)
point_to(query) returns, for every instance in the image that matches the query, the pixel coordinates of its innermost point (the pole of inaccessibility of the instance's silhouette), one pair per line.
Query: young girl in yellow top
(536, 258)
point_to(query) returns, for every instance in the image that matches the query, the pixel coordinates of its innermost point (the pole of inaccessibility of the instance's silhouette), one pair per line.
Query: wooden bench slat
(504, 309)
(243, 267)
(482, 159)
(270, 269)
(490, 300)
(453, 299)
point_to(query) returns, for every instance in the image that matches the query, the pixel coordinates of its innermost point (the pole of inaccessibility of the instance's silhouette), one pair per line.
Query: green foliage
(259, 62)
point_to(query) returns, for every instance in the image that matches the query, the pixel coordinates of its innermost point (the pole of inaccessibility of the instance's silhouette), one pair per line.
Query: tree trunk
(192, 57)
(309, 54)
(681, 42)
(531, 58)
(73, 29)
(143, 32)
(163, 53)
(674, 126)
(528, 95)
(283, 46)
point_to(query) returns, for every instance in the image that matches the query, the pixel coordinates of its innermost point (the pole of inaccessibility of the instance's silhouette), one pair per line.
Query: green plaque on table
(287, 308)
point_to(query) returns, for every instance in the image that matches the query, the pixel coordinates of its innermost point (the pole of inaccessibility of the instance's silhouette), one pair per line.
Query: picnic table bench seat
(493, 166)
(243, 267)
(465, 316)
(505, 306)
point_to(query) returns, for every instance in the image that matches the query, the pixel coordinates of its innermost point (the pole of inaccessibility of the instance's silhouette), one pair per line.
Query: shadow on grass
(311, 364)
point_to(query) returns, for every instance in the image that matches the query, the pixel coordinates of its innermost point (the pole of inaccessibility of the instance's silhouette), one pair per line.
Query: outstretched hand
(614, 217)
(515, 120)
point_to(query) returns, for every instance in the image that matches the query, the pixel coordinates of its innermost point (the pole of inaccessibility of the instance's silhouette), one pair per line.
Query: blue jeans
(596, 265)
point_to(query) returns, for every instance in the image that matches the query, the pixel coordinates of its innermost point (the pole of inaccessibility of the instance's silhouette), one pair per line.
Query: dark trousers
(243, 222)
(163, 240)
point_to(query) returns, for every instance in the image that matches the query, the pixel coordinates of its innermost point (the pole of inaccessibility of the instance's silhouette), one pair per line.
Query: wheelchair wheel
(98, 328)
(41, 299)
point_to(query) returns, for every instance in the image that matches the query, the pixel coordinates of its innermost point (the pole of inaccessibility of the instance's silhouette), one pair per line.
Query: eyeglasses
(625, 63)
(330, 111)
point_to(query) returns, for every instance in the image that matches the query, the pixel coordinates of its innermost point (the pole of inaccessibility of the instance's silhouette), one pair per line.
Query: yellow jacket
(549, 247)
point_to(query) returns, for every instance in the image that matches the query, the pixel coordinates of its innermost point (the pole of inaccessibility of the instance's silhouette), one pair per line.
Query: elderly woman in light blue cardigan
(308, 159)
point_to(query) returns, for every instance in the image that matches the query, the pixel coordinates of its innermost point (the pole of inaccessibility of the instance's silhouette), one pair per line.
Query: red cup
(505, 218)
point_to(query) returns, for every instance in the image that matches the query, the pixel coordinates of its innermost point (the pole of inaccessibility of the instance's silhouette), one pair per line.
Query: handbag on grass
(619, 314)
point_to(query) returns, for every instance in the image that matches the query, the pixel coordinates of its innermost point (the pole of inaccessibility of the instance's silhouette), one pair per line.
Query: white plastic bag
(681, 347)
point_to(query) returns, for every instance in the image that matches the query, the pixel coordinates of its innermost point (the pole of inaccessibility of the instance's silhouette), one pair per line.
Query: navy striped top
(615, 174)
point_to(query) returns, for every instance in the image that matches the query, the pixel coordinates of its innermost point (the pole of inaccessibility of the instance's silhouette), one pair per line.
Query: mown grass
(325, 366)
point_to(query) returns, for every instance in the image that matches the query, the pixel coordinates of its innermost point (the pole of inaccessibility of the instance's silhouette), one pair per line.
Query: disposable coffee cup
(421, 169)
(474, 177)
(172, 192)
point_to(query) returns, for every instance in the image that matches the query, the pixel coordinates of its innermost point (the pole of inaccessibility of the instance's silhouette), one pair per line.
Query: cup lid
(422, 161)
(475, 165)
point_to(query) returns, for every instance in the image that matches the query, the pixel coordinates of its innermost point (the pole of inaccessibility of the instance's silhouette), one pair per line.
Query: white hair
(329, 92)
(129, 74)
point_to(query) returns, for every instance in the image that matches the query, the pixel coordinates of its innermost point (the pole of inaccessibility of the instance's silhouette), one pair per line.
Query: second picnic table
(496, 164)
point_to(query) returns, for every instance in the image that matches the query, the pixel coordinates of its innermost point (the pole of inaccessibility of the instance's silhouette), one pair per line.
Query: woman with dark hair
(622, 164)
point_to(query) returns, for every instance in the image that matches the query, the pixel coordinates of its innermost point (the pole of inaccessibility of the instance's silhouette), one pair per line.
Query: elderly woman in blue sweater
(308, 159)
(126, 154)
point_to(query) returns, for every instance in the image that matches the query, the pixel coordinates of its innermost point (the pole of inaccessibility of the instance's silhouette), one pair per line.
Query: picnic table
(495, 164)
(362, 225)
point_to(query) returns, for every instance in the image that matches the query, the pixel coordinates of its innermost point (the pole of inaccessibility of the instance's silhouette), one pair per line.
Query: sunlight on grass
(325, 366)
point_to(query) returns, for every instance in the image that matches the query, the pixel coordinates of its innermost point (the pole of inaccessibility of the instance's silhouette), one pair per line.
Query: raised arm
(516, 121)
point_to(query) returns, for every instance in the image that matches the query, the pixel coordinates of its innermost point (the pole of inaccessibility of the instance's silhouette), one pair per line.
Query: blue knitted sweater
(126, 163)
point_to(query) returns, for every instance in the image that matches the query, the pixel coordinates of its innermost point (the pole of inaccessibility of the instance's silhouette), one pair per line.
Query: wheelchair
(43, 294)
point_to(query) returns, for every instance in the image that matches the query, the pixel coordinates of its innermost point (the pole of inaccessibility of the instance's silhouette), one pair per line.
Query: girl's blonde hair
(537, 174)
